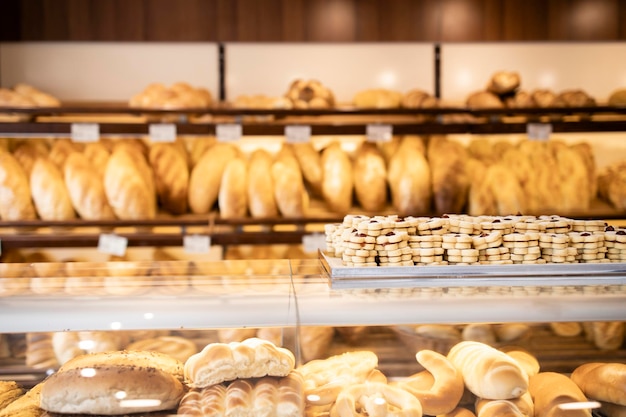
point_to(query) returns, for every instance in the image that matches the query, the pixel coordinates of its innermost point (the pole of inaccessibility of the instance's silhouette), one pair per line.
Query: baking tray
(516, 275)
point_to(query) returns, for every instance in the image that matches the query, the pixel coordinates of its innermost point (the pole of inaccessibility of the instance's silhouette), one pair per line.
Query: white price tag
(196, 243)
(163, 132)
(379, 133)
(298, 134)
(85, 132)
(539, 131)
(228, 132)
(314, 242)
(112, 244)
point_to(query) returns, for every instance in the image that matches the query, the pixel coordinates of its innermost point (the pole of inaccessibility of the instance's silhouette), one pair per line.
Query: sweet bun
(88, 384)
(252, 358)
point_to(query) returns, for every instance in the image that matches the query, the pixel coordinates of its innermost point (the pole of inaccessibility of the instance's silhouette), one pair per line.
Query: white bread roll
(338, 181)
(76, 389)
(550, 389)
(261, 201)
(409, 178)
(289, 192)
(370, 177)
(86, 189)
(444, 393)
(50, 195)
(488, 373)
(252, 358)
(602, 381)
(171, 176)
(15, 195)
(232, 198)
(206, 177)
(127, 186)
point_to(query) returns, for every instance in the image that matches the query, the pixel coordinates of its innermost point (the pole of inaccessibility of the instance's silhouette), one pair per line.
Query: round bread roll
(618, 97)
(174, 346)
(90, 384)
(504, 82)
(544, 98)
(484, 100)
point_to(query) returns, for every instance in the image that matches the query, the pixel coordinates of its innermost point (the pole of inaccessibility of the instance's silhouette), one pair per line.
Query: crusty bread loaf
(175, 346)
(551, 389)
(261, 201)
(128, 191)
(488, 373)
(602, 381)
(310, 164)
(409, 178)
(39, 97)
(26, 405)
(232, 197)
(206, 177)
(449, 173)
(338, 180)
(9, 392)
(97, 154)
(504, 82)
(484, 100)
(86, 189)
(138, 374)
(370, 177)
(252, 358)
(50, 195)
(28, 152)
(444, 393)
(60, 150)
(171, 176)
(289, 192)
(608, 335)
(15, 195)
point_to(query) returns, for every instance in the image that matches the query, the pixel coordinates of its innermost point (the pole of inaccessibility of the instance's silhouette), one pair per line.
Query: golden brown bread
(97, 154)
(379, 98)
(488, 373)
(15, 194)
(544, 98)
(484, 100)
(171, 176)
(315, 341)
(441, 391)
(50, 195)
(608, 335)
(289, 191)
(9, 392)
(39, 351)
(60, 150)
(617, 97)
(458, 412)
(251, 358)
(417, 98)
(409, 178)
(551, 389)
(39, 97)
(86, 189)
(206, 177)
(310, 94)
(128, 189)
(261, 201)
(28, 152)
(25, 406)
(370, 177)
(310, 164)
(174, 346)
(602, 381)
(612, 410)
(449, 173)
(233, 193)
(504, 82)
(338, 178)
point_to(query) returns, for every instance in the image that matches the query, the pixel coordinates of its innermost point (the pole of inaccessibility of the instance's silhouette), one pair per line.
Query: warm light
(88, 372)
(579, 405)
(116, 325)
(140, 403)
(120, 395)
(547, 80)
(86, 344)
(313, 398)
(388, 79)
(148, 316)
(380, 401)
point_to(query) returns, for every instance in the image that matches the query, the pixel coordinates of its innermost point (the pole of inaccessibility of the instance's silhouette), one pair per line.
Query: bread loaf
(504, 82)
(233, 193)
(261, 201)
(488, 373)
(549, 390)
(314, 341)
(544, 98)
(518, 407)
(338, 181)
(612, 410)
(450, 177)
(409, 178)
(378, 98)
(97, 154)
(15, 195)
(127, 188)
(177, 347)
(26, 405)
(9, 392)
(26, 153)
(310, 164)
(206, 177)
(608, 335)
(444, 393)
(289, 192)
(370, 177)
(526, 359)
(60, 150)
(484, 100)
(39, 351)
(86, 189)
(50, 195)
(602, 381)
(171, 176)
(252, 358)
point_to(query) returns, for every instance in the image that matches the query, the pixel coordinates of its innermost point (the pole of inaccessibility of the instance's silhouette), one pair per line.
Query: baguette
(602, 381)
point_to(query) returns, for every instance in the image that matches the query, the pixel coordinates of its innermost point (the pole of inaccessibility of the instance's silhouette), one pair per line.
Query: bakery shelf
(285, 293)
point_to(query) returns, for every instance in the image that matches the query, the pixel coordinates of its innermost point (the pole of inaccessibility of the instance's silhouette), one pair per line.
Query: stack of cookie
(555, 248)
(427, 250)
(589, 246)
(615, 243)
(523, 247)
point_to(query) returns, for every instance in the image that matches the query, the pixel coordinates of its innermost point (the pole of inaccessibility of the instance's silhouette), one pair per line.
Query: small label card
(112, 244)
(163, 132)
(228, 132)
(539, 131)
(85, 132)
(196, 243)
(314, 242)
(379, 133)
(298, 133)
